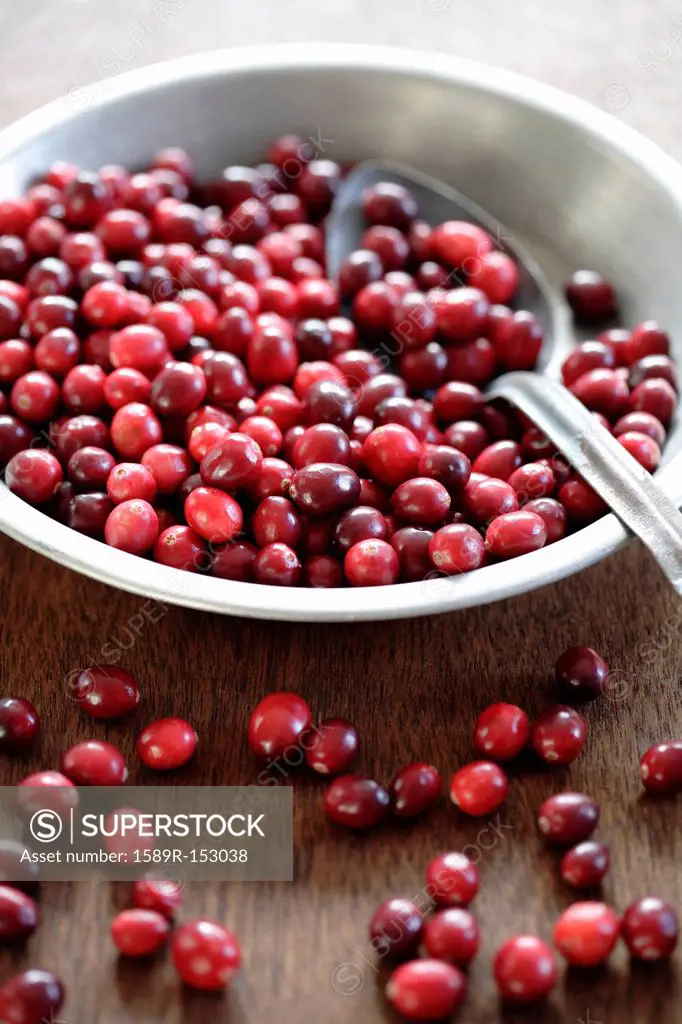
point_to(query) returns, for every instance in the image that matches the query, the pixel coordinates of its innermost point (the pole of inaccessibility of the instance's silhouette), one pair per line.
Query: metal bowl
(575, 185)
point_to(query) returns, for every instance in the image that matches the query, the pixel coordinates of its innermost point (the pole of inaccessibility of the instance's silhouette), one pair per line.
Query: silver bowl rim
(438, 594)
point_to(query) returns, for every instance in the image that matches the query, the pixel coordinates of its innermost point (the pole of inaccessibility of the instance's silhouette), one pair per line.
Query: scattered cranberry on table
(163, 897)
(166, 744)
(586, 933)
(31, 997)
(206, 955)
(395, 929)
(452, 935)
(95, 763)
(568, 818)
(501, 731)
(452, 879)
(356, 802)
(479, 788)
(581, 674)
(661, 767)
(558, 734)
(650, 929)
(104, 692)
(278, 721)
(139, 932)
(525, 970)
(331, 746)
(426, 990)
(19, 724)
(586, 865)
(415, 789)
(19, 914)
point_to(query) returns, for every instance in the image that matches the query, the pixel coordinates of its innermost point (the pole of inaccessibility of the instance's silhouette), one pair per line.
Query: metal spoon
(607, 467)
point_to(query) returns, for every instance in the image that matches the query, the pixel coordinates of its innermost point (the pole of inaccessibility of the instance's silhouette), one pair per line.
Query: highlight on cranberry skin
(525, 970)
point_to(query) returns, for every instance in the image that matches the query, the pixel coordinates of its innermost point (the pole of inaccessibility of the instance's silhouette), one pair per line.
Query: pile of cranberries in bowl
(180, 379)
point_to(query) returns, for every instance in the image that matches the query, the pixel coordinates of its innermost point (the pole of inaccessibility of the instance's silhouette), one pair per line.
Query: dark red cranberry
(653, 366)
(412, 547)
(31, 997)
(322, 572)
(452, 935)
(234, 561)
(388, 203)
(558, 734)
(395, 929)
(105, 692)
(647, 339)
(276, 521)
(19, 724)
(590, 355)
(553, 515)
(19, 914)
(517, 341)
(479, 788)
(452, 880)
(660, 768)
(278, 721)
(650, 929)
(568, 818)
(586, 933)
(586, 865)
(323, 488)
(581, 674)
(360, 268)
(331, 747)
(359, 523)
(90, 467)
(415, 789)
(457, 548)
(447, 465)
(591, 297)
(88, 513)
(34, 475)
(525, 970)
(356, 802)
(163, 897)
(582, 504)
(602, 391)
(421, 501)
(656, 397)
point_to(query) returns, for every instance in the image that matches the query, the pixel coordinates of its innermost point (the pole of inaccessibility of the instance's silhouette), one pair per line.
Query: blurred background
(625, 55)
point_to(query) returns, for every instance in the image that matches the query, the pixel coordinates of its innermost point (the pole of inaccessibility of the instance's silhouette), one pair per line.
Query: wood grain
(413, 688)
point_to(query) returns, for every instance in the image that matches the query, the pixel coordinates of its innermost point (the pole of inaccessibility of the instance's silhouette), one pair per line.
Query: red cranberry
(371, 563)
(213, 514)
(452, 935)
(104, 692)
(426, 989)
(653, 366)
(34, 475)
(180, 548)
(488, 498)
(95, 763)
(132, 526)
(591, 297)
(582, 504)
(322, 571)
(391, 453)
(412, 547)
(603, 391)
(332, 746)
(457, 548)
(515, 533)
(19, 724)
(360, 268)
(468, 437)
(356, 802)
(324, 487)
(517, 341)
(656, 397)
(50, 790)
(534, 480)
(360, 523)
(586, 865)
(83, 389)
(206, 955)
(461, 314)
(279, 721)
(234, 561)
(35, 397)
(395, 929)
(389, 203)
(16, 360)
(90, 467)
(275, 521)
(568, 818)
(479, 788)
(581, 674)
(19, 914)
(590, 355)
(558, 735)
(660, 768)
(460, 244)
(586, 933)
(415, 789)
(31, 997)
(501, 731)
(497, 275)
(162, 897)
(139, 932)
(169, 464)
(643, 448)
(167, 743)
(647, 339)
(141, 346)
(10, 317)
(452, 880)
(58, 351)
(525, 970)
(553, 515)
(421, 501)
(650, 929)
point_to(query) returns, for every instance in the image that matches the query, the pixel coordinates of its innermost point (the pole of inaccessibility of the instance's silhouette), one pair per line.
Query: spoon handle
(605, 465)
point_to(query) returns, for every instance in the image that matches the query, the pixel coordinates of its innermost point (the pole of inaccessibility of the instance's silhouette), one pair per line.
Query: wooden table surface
(413, 688)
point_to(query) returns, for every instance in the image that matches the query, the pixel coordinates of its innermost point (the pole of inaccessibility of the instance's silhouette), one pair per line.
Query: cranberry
(497, 275)
(426, 989)
(534, 480)
(329, 401)
(391, 453)
(162, 897)
(279, 721)
(83, 389)
(488, 498)
(586, 933)
(356, 802)
(169, 464)
(643, 448)
(558, 735)
(660, 768)
(90, 467)
(447, 465)
(180, 548)
(650, 929)
(31, 997)
(603, 391)
(35, 396)
(415, 789)
(553, 515)
(590, 355)
(322, 442)
(568, 818)
(125, 386)
(95, 763)
(167, 743)
(19, 914)
(234, 561)
(389, 203)
(34, 475)
(501, 731)
(457, 548)
(395, 929)
(591, 297)
(585, 865)
(278, 565)
(50, 790)
(275, 521)
(582, 504)
(581, 674)
(421, 501)
(322, 571)
(412, 547)
(332, 746)
(452, 880)
(141, 346)
(19, 724)
(132, 526)
(57, 352)
(653, 366)
(479, 788)
(525, 970)
(461, 314)
(360, 268)
(515, 533)
(324, 487)
(647, 339)
(139, 932)
(16, 360)
(371, 563)
(129, 481)
(452, 935)
(656, 397)
(213, 514)
(104, 692)
(517, 341)
(360, 523)
(206, 955)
